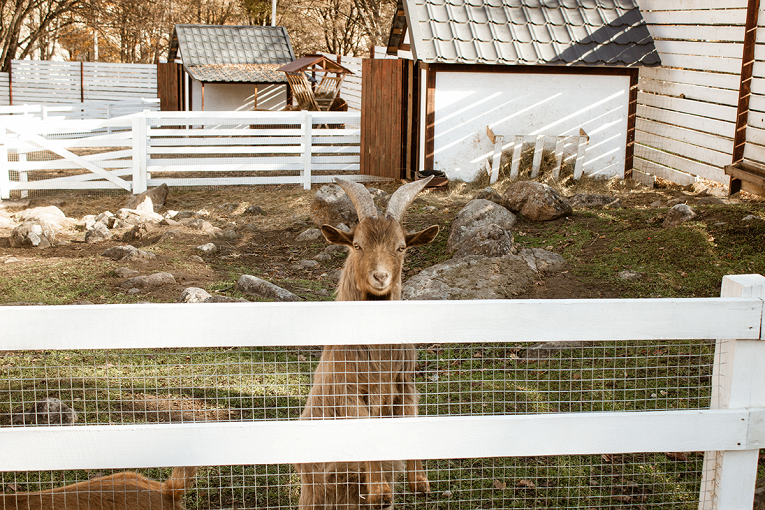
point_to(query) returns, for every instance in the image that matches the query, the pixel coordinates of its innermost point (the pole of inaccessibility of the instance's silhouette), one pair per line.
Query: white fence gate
(731, 430)
(180, 149)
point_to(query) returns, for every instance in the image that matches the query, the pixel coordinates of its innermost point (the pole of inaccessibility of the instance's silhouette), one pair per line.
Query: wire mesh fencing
(102, 387)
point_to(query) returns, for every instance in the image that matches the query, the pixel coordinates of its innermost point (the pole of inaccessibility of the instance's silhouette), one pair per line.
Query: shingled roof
(558, 32)
(229, 53)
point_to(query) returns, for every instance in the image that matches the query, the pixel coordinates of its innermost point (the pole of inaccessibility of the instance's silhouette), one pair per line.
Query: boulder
(331, 206)
(542, 261)
(254, 286)
(472, 277)
(6, 222)
(34, 233)
(98, 233)
(50, 215)
(148, 281)
(536, 201)
(255, 210)
(489, 194)
(677, 215)
(49, 411)
(150, 200)
(478, 213)
(589, 200)
(139, 232)
(194, 295)
(208, 248)
(136, 217)
(128, 253)
(312, 234)
(488, 241)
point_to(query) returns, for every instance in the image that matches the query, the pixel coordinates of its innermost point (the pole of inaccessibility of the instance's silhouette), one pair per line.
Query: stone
(254, 210)
(208, 248)
(194, 295)
(51, 215)
(536, 201)
(125, 272)
(229, 234)
(203, 226)
(6, 222)
(380, 197)
(489, 194)
(472, 277)
(589, 200)
(139, 232)
(674, 201)
(254, 286)
(629, 275)
(429, 209)
(128, 253)
(656, 204)
(312, 234)
(98, 233)
(542, 261)
(196, 258)
(478, 213)
(149, 281)
(677, 215)
(750, 217)
(331, 206)
(488, 241)
(308, 263)
(169, 222)
(224, 299)
(229, 207)
(48, 411)
(136, 217)
(323, 257)
(150, 200)
(183, 215)
(35, 233)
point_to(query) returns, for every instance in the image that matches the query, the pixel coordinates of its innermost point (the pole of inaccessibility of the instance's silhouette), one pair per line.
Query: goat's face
(377, 252)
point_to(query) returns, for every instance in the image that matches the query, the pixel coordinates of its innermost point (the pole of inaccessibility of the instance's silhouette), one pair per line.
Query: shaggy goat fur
(361, 381)
(121, 491)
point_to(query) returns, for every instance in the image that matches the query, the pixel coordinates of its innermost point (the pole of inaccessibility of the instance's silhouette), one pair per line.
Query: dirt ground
(265, 244)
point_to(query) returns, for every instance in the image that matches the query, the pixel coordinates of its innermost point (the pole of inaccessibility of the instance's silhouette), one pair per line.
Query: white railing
(181, 149)
(83, 110)
(731, 431)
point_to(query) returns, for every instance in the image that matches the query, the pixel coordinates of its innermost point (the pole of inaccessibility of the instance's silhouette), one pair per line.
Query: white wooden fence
(83, 110)
(731, 431)
(180, 149)
(5, 98)
(686, 116)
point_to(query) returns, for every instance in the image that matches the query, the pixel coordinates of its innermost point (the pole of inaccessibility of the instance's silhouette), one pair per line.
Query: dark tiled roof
(247, 73)
(563, 32)
(229, 44)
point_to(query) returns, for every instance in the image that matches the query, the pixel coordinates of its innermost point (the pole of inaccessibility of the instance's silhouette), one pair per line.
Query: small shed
(521, 67)
(228, 68)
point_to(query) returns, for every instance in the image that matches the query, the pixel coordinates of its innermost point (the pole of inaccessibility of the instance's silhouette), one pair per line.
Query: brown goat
(363, 381)
(120, 491)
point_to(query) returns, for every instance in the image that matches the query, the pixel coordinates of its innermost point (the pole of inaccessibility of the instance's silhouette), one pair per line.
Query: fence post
(307, 148)
(139, 134)
(738, 381)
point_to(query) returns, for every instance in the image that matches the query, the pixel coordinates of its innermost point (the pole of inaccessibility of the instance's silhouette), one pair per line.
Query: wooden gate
(387, 118)
(169, 87)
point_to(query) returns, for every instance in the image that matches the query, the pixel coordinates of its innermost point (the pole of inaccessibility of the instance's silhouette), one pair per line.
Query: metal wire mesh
(191, 385)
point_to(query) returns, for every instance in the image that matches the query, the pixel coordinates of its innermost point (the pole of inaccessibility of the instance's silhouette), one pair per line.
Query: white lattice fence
(181, 349)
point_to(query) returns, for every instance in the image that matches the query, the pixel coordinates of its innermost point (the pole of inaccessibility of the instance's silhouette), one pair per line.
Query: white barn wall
(528, 104)
(221, 97)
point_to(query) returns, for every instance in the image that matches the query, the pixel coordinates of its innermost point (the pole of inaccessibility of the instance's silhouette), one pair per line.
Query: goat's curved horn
(403, 197)
(359, 195)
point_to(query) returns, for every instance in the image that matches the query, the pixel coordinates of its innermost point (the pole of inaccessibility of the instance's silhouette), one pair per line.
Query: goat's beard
(368, 296)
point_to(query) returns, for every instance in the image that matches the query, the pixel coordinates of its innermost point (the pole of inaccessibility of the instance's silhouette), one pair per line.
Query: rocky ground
(71, 247)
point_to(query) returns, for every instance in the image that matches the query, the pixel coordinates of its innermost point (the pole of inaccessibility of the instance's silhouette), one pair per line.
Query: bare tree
(375, 17)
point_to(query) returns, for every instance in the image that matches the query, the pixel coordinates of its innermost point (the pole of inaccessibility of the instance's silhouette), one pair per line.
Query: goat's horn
(359, 195)
(403, 197)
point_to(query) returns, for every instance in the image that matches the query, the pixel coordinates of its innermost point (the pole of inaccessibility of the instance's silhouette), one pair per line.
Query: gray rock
(136, 217)
(312, 234)
(429, 209)
(203, 226)
(542, 261)
(184, 215)
(489, 194)
(128, 253)
(89, 221)
(323, 257)
(207, 248)
(169, 222)
(194, 295)
(6, 222)
(229, 207)
(35, 233)
(331, 206)
(51, 215)
(254, 210)
(225, 299)
(750, 217)
(139, 232)
(98, 233)
(254, 286)
(588, 200)
(656, 204)
(674, 201)
(148, 281)
(488, 241)
(308, 263)
(229, 234)
(125, 272)
(49, 411)
(629, 275)
(196, 258)
(478, 213)
(536, 201)
(150, 200)
(471, 277)
(677, 215)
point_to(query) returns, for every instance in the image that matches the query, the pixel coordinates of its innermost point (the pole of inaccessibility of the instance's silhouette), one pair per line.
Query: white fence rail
(731, 432)
(180, 149)
(83, 110)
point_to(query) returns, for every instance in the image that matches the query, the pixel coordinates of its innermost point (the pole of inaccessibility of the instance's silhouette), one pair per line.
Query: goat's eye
(356, 246)
(401, 249)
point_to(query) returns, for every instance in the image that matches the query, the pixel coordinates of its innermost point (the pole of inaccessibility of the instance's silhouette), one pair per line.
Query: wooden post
(10, 83)
(203, 95)
(561, 141)
(430, 118)
(738, 382)
(539, 150)
(139, 133)
(82, 82)
(255, 98)
(745, 89)
(307, 134)
(517, 150)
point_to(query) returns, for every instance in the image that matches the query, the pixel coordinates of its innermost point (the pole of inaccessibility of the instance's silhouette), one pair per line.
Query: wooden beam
(430, 117)
(631, 120)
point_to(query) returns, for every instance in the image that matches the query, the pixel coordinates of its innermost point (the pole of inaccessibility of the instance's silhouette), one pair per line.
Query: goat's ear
(422, 237)
(337, 236)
